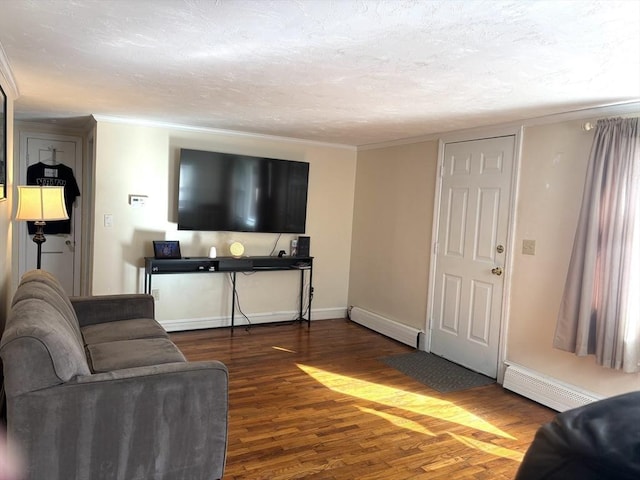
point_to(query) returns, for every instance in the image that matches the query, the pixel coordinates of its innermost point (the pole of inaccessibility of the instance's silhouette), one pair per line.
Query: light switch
(108, 220)
(529, 247)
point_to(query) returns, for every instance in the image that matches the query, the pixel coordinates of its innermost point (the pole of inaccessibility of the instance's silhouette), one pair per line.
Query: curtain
(600, 310)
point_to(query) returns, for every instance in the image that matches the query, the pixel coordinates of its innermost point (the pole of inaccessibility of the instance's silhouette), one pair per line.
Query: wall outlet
(529, 247)
(155, 293)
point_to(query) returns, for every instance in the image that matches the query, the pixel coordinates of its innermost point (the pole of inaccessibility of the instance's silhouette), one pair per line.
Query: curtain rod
(586, 126)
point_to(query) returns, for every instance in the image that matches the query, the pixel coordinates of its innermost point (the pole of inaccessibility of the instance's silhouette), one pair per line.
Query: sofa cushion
(105, 357)
(50, 294)
(122, 330)
(43, 276)
(41, 346)
(46, 278)
(108, 308)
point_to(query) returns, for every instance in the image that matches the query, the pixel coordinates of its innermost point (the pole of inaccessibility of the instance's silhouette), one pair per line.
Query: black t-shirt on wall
(58, 175)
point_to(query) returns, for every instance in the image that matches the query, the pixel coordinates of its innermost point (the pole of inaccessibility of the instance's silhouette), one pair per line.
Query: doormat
(436, 372)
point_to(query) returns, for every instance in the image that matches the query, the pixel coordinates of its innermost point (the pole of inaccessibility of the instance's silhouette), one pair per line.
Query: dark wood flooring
(316, 403)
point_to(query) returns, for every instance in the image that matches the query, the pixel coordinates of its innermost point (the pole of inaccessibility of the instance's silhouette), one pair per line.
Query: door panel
(481, 294)
(458, 200)
(486, 223)
(474, 211)
(450, 319)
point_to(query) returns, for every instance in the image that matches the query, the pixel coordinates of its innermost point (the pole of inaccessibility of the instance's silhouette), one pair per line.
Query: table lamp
(40, 205)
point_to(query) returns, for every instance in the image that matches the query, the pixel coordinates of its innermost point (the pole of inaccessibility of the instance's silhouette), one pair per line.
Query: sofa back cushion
(42, 345)
(46, 278)
(48, 293)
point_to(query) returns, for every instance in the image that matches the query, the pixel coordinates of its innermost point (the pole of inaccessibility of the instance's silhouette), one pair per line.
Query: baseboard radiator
(390, 328)
(545, 390)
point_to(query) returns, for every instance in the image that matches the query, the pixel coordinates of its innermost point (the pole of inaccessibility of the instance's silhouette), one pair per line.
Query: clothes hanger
(53, 156)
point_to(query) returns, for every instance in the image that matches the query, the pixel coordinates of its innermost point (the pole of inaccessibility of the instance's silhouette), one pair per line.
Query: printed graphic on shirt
(54, 176)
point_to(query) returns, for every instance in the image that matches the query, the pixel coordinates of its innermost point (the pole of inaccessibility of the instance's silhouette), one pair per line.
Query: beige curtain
(600, 310)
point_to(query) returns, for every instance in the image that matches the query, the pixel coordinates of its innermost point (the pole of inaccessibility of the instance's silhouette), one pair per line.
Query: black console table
(232, 265)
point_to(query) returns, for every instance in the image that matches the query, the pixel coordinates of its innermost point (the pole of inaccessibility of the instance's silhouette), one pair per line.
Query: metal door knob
(497, 271)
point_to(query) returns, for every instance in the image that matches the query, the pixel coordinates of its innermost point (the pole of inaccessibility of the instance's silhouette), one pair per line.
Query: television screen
(240, 193)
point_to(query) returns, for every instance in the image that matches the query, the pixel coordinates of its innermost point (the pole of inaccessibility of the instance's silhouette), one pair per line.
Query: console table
(232, 265)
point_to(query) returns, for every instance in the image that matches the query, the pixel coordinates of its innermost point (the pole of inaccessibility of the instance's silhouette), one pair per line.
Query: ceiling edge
(583, 114)
(7, 75)
(218, 131)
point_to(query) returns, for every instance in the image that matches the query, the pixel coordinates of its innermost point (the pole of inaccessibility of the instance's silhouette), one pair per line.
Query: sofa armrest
(108, 308)
(160, 422)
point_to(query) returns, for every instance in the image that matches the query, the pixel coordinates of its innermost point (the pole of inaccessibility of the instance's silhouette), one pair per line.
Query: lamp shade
(37, 203)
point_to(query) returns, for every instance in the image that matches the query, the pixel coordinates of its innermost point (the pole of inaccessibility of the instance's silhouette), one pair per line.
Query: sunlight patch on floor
(394, 397)
(399, 421)
(485, 447)
(282, 349)
(489, 447)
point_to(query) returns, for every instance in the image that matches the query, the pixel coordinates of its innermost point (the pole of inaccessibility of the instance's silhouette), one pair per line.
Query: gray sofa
(96, 390)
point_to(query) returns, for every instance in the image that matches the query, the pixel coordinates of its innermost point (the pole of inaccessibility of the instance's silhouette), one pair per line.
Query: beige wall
(392, 231)
(143, 160)
(392, 235)
(6, 209)
(553, 168)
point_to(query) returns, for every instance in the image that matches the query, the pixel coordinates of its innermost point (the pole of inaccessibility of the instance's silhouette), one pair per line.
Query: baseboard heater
(545, 390)
(390, 328)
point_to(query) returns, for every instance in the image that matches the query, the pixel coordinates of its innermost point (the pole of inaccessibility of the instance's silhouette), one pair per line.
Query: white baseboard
(256, 319)
(546, 390)
(390, 328)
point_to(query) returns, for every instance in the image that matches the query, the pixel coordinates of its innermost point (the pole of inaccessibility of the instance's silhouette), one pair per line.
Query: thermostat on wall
(137, 200)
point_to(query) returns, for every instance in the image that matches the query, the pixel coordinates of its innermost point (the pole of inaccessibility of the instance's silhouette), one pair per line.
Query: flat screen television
(241, 193)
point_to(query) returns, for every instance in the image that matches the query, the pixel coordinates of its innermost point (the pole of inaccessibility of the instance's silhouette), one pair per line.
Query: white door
(470, 252)
(60, 252)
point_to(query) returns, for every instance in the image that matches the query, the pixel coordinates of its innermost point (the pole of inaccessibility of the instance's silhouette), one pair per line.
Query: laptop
(166, 249)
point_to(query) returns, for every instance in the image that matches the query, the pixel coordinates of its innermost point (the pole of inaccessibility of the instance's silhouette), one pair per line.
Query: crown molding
(218, 131)
(6, 75)
(581, 114)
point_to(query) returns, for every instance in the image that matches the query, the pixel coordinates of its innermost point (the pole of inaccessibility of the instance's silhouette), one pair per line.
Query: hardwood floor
(316, 403)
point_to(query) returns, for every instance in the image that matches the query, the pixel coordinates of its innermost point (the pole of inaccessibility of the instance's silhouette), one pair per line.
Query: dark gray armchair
(597, 441)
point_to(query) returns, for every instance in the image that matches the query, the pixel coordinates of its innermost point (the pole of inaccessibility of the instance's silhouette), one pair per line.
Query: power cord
(309, 291)
(275, 245)
(236, 299)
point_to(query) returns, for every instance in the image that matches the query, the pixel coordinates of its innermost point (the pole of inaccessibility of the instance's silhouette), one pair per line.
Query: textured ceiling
(344, 71)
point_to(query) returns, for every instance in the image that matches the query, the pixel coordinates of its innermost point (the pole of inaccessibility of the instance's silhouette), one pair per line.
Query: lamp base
(39, 239)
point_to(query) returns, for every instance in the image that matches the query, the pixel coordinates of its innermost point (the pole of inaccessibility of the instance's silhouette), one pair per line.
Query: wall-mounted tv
(240, 193)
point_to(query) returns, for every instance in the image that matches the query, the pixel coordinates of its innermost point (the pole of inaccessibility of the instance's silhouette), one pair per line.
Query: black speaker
(304, 247)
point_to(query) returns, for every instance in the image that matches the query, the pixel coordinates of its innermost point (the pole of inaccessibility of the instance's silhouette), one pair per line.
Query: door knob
(497, 271)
